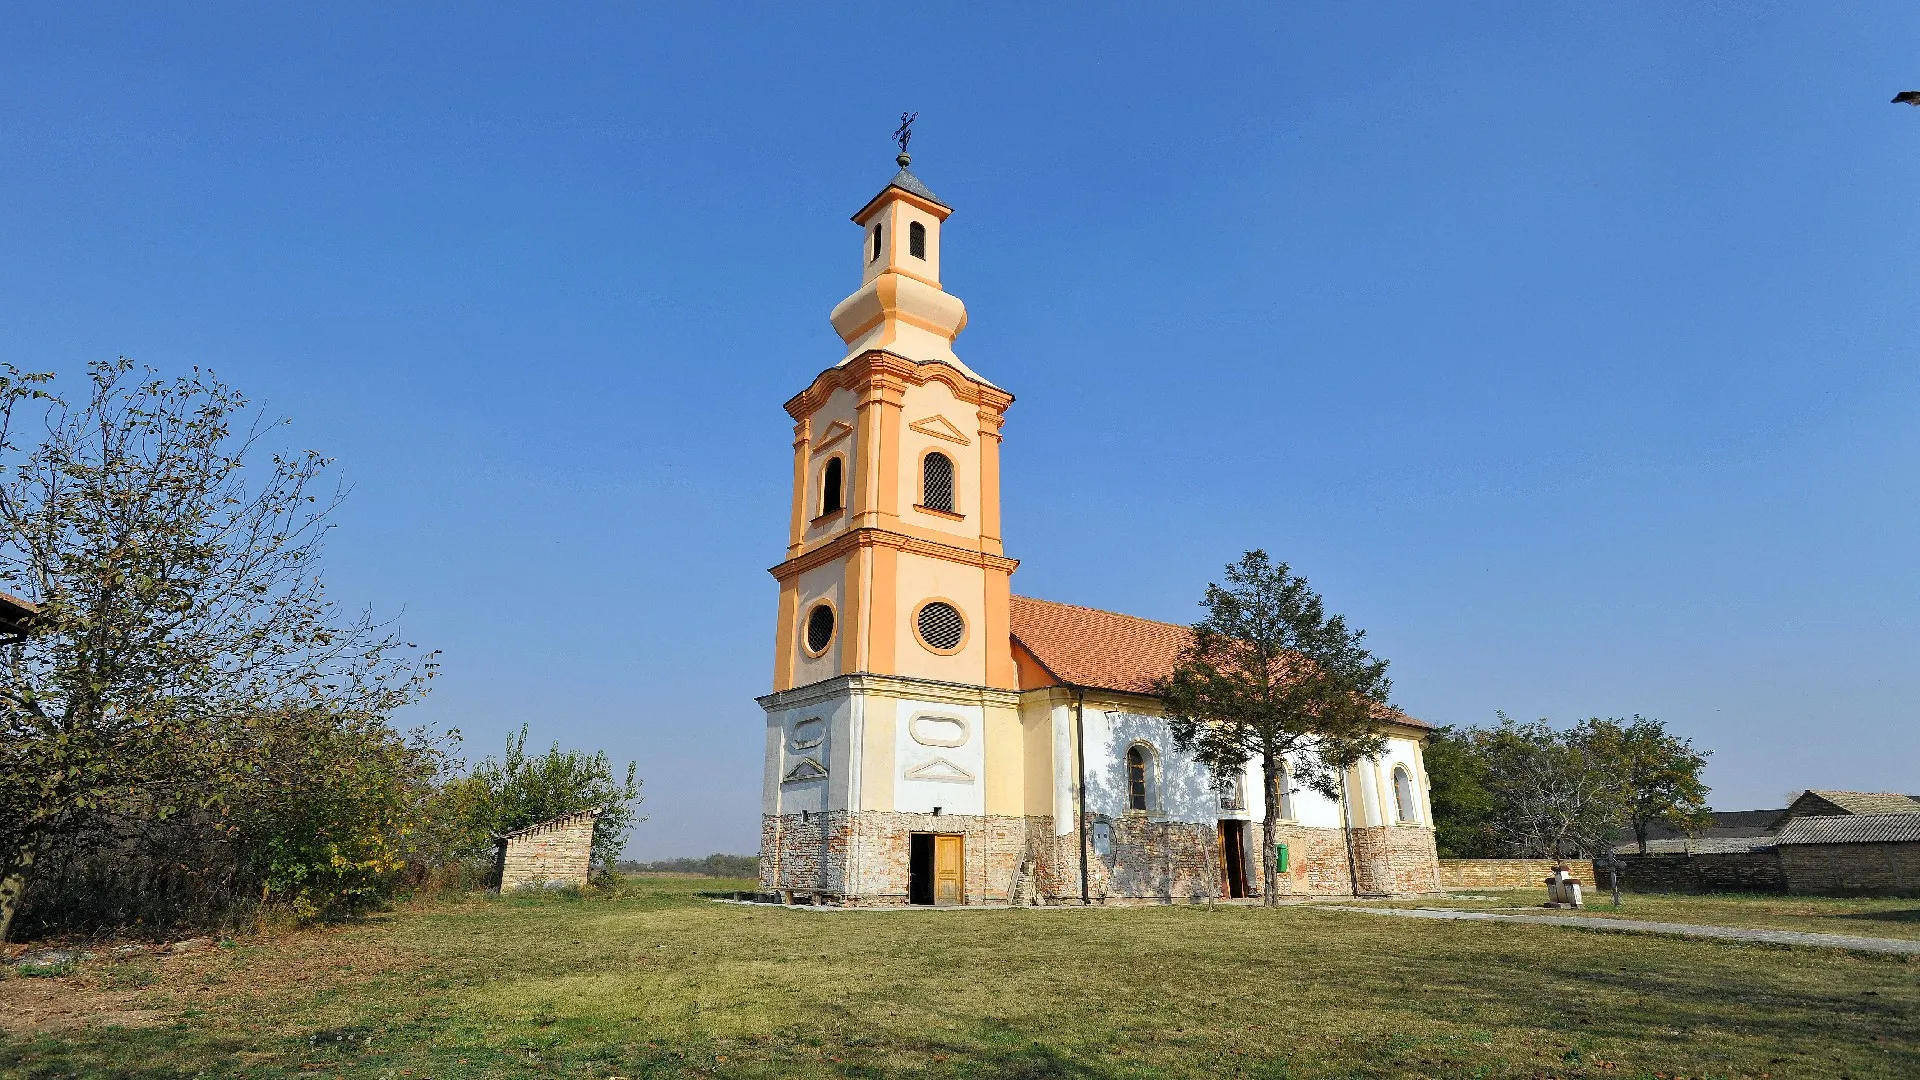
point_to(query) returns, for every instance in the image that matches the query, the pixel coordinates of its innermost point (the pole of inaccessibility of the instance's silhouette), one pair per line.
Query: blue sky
(1569, 350)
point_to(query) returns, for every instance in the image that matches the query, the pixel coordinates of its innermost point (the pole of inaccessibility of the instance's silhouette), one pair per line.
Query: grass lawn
(1816, 914)
(653, 981)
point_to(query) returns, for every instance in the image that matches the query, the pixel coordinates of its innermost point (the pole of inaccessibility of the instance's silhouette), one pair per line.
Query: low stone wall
(1718, 871)
(1512, 873)
(1851, 869)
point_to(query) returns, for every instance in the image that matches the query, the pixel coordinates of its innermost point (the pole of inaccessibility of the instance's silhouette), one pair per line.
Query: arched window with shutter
(876, 243)
(936, 482)
(917, 240)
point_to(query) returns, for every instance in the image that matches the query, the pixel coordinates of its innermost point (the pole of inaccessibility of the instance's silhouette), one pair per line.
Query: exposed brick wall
(1716, 871)
(1395, 859)
(1851, 869)
(1513, 873)
(555, 851)
(839, 857)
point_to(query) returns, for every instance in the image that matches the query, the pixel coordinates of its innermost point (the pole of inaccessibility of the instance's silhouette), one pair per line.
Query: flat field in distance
(1865, 917)
(650, 980)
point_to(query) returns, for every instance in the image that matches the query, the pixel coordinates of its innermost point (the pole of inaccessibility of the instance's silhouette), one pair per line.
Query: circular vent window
(941, 627)
(819, 628)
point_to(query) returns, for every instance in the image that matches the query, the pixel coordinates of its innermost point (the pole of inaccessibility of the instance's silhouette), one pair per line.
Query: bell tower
(894, 562)
(895, 704)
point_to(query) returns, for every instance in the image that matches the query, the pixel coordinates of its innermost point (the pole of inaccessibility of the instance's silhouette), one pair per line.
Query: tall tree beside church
(173, 559)
(1658, 774)
(1270, 676)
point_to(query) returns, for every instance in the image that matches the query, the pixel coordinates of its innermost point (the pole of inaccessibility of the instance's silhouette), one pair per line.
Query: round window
(941, 627)
(819, 628)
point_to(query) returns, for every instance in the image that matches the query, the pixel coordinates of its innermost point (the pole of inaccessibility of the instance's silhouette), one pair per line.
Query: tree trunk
(1640, 834)
(13, 887)
(1346, 834)
(1270, 777)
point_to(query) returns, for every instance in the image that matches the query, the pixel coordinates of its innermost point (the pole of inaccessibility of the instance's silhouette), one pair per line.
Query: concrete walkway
(1730, 933)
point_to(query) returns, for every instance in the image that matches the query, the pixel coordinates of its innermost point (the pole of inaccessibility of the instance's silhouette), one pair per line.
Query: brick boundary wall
(1716, 871)
(1851, 869)
(1513, 873)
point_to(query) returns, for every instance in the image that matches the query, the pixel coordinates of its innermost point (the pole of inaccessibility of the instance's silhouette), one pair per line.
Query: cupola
(900, 306)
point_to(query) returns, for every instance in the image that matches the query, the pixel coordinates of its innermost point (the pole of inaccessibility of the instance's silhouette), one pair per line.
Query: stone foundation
(846, 858)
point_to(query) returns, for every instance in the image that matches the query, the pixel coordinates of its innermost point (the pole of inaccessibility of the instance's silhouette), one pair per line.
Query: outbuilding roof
(553, 823)
(1855, 802)
(1897, 828)
(1105, 650)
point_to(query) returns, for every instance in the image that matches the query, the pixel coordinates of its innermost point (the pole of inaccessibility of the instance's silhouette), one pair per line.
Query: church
(933, 738)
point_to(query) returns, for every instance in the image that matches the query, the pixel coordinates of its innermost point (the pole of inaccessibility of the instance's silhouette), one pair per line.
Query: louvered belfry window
(819, 628)
(936, 482)
(917, 240)
(941, 626)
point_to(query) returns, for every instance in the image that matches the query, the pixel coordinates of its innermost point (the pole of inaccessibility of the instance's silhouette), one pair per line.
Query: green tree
(174, 563)
(521, 789)
(1463, 808)
(326, 806)
(1553, 793)
(1270, 676)
(1657, 774)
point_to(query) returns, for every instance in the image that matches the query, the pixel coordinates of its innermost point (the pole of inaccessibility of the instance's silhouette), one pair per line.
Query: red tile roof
(1105, 650)
(1097, 649)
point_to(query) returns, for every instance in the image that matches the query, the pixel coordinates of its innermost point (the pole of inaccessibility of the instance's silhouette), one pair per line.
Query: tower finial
(903, 135)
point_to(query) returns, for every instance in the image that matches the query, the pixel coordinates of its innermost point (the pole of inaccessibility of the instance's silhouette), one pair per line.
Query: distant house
(552, 853)
(1732, 830)
(1852, 855)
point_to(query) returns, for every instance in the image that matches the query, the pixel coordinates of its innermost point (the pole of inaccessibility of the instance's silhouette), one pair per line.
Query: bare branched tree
(174, 563)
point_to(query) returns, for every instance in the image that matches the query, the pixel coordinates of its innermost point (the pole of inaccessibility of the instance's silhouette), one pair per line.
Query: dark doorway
(1233, 859)
(920, 868)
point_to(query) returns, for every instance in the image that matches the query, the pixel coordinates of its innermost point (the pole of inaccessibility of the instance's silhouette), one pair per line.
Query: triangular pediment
(834, 432)
(805, 769)
(940, 428)
(941, 770)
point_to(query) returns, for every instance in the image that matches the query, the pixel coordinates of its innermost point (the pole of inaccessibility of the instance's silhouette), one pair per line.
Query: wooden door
(949, 870)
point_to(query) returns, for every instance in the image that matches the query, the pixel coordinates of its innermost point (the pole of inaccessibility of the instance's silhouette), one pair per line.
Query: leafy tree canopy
(1271, 677)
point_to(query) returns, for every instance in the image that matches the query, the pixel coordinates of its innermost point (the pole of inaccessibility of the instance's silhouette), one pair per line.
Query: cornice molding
(853, 539)
(896, 686)
(878, 365)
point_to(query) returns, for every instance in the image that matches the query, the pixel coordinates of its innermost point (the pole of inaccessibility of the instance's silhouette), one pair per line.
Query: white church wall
(1065, 781)
(803, 743)
(1180, 788)
(939, 758)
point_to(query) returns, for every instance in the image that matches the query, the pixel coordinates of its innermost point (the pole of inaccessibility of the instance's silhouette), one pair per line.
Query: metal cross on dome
(904, 134)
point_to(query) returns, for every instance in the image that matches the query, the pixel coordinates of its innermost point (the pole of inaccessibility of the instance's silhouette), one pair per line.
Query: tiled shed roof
(1899, 828)
(560, 822)
(1869, 802)
(1105, 650)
